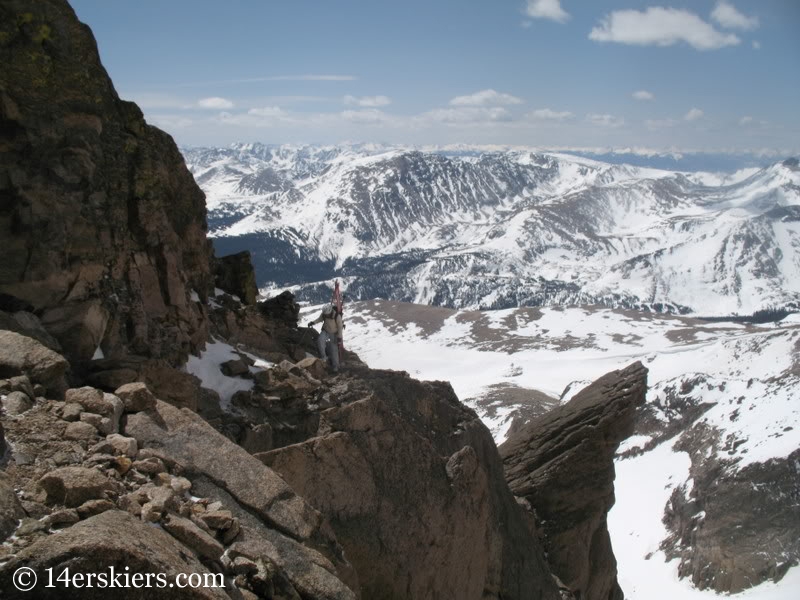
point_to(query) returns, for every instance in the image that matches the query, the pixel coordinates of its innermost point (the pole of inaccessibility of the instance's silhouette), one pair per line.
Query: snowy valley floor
(521, 361)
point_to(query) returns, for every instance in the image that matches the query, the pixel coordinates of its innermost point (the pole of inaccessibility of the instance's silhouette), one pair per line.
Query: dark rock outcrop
(412, 484)
(126, 261)
(735, 528)
(562, 463)
(234, 274)
(282, 308)
(269, 327)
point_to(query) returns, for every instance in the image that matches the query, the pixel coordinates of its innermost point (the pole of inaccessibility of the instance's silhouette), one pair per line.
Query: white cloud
(654, 124)
(297, 99)
(367, 101)
(296, 78)
(657, 26)
(271, 112)
(546, 9)
(546, 114)
(485, 98)
(726, 15)
(744, 121)
(693, 114)
(643, 95)
(467, 114)
(756, 45)
(605, 120)
(369, 116)
(215, 103)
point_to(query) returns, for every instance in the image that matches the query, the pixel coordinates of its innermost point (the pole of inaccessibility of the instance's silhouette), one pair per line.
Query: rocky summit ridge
(284, 481)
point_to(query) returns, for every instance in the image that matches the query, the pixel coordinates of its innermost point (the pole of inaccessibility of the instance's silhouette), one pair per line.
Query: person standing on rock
(332, 329)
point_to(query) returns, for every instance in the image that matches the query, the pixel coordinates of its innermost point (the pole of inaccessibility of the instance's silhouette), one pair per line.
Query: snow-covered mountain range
(505, 229)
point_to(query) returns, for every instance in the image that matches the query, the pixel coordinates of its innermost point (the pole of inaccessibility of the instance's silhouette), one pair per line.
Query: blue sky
(704, 75)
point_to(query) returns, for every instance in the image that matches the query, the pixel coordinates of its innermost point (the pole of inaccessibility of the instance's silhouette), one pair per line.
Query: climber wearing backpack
(332, 328)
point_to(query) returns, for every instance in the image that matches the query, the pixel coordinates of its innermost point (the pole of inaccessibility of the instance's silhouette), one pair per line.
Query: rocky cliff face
(562, 463)
(412, 484)
(103, 227)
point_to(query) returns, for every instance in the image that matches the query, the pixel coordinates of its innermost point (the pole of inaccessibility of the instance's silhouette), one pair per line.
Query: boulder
(314, 366)
(158, 500)
(66, 516)
(72, 486)
(182, 438)
(71, 411)
(21, 355)
(97, 545)
(94, 420)
(91, 399)
(217, 519)
(149, 466)
(117, 408)
(136, 397)
(562, 463)
(234, 368)
(193, 537)
(80, 431)
(19, 383)
(123, 445)
(91, 508)
(16, 403)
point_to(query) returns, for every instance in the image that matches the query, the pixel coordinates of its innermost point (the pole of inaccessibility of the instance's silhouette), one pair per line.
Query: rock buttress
(562, 463)
(412, 484)
(103, 227)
